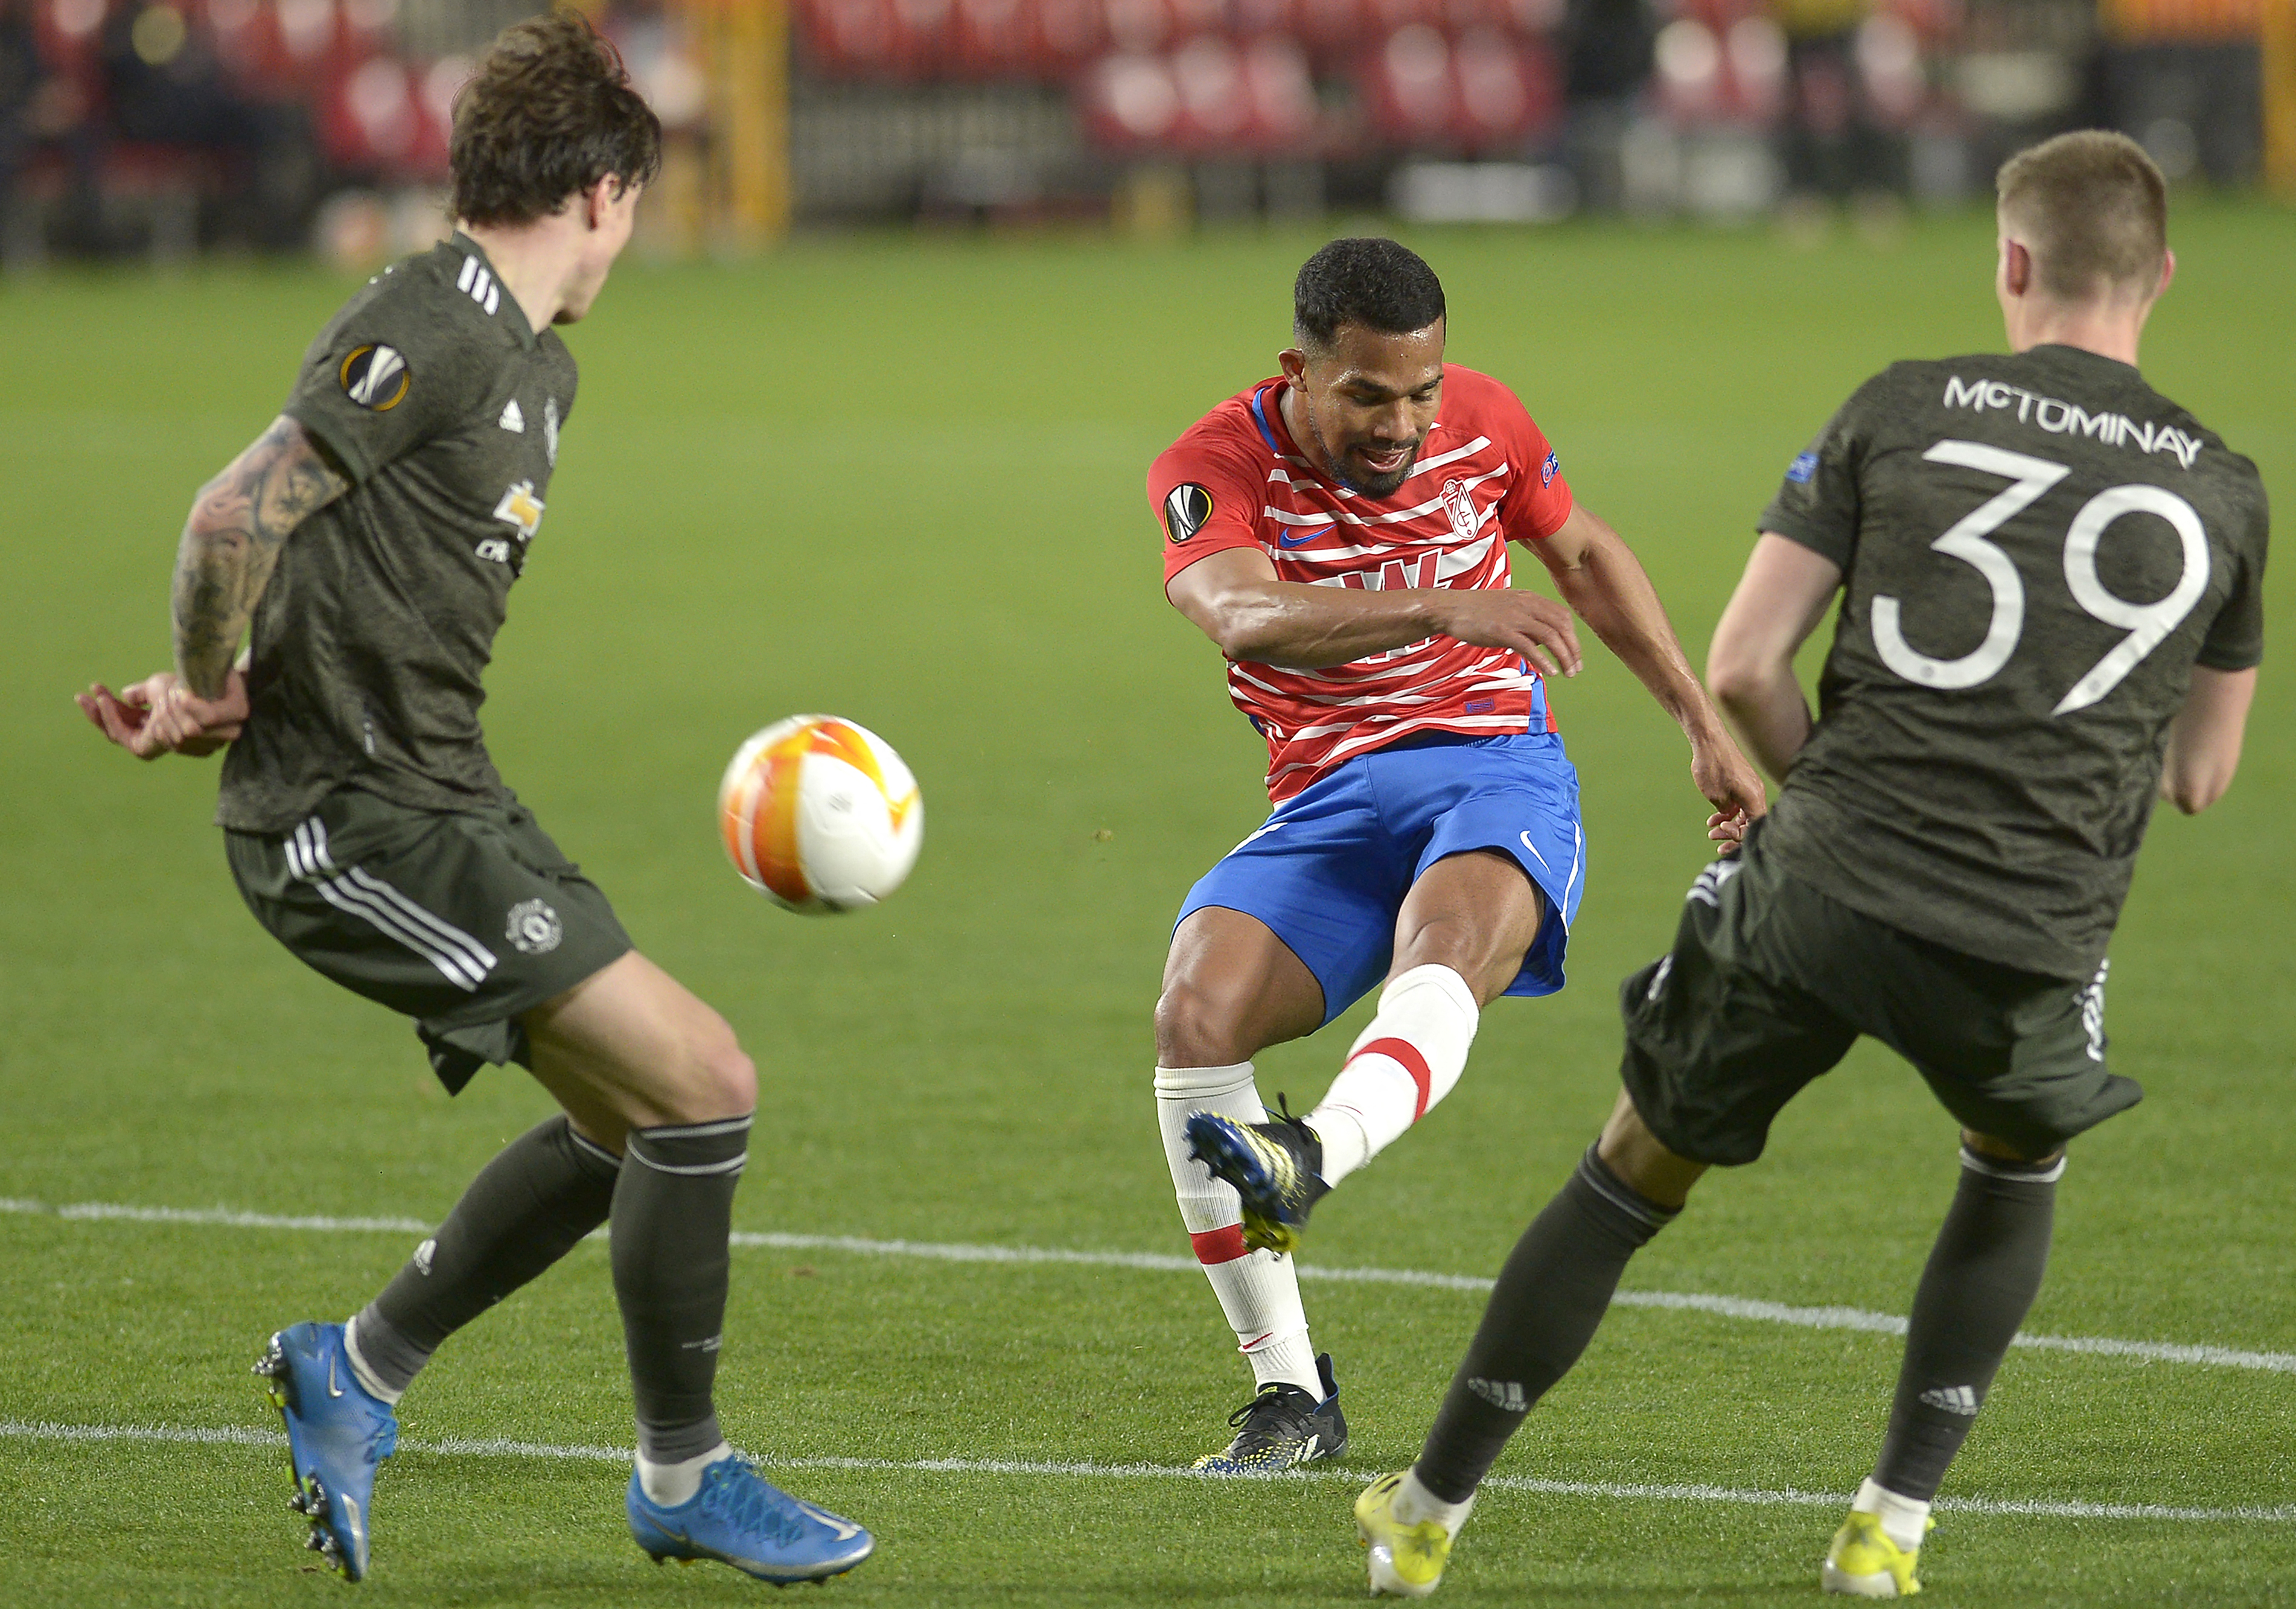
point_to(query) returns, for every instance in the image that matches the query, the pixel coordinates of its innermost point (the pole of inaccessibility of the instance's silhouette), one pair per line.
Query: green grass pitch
(899, 478)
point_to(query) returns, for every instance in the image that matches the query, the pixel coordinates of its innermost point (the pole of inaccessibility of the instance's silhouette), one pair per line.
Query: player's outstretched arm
(1234, 598)
(2204, 739)
(1601, 577)
(230, 545)
(1779, 602)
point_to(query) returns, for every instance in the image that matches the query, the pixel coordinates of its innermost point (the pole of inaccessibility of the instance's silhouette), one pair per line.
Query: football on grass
(820, 815)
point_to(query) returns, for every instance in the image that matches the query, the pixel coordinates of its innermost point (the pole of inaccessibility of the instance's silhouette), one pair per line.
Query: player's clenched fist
(1538, 627)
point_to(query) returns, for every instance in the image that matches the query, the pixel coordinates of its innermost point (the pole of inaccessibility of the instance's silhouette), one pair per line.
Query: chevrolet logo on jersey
(1185, 510)
(376, 378)
(521, 508)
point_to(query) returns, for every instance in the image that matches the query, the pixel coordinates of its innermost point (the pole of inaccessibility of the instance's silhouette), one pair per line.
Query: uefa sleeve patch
(1549, 470)
(1186, 507)
(1803, 470)
(376, 378)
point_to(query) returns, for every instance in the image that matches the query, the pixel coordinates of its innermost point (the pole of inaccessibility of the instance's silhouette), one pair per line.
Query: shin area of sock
(1259, 1292)
(1982, 1276)
(526, 1208)
(1407, 1060)
(673, 1213)
(1549, 1299)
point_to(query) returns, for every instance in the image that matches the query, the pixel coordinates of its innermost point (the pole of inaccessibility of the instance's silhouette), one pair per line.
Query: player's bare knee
(1197, 1027)
(717, 1079)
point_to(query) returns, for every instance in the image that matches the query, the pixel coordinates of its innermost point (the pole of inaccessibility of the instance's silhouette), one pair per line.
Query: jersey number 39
(2148, 624)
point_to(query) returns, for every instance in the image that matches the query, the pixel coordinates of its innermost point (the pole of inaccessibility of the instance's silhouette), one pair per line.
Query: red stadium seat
(1063, 34)
(993, 38)
(1138, 26)
(1130, 101)
(922, 37)
(1285, 112)
(849, 38)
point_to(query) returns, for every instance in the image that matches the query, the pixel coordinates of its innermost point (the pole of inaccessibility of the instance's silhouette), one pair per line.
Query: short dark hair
(2095, 209)
(549, 113)
(1377, 283)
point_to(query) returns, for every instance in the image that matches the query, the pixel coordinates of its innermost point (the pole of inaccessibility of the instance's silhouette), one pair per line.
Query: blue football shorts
(1329, 870)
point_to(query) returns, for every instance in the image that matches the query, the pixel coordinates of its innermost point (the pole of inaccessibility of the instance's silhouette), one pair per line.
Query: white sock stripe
(582, 1142)
(1995, 1168)
(339, 894)
(695, 1131)
(693, 1170)
(1625, 1198)
(447, 932)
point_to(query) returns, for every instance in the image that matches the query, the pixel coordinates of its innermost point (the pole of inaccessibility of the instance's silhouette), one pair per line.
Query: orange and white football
(820, 815)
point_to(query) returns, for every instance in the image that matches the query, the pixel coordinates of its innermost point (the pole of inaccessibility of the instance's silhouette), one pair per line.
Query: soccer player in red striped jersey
(1341, 530)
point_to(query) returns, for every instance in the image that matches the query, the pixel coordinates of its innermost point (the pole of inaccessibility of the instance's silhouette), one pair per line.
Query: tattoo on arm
(231, 542)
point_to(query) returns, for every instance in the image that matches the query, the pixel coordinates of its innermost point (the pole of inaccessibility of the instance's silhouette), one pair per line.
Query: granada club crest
(1460, 505)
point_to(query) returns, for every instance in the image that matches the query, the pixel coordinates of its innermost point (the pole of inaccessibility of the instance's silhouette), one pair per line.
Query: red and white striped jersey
(1485, 476)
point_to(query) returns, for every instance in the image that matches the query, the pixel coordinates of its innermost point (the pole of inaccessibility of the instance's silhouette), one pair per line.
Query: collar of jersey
(516, 315)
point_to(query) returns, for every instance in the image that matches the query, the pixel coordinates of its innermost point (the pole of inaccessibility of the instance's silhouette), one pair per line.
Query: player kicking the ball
(371, 538)
(2053, 609)
(1340, 531)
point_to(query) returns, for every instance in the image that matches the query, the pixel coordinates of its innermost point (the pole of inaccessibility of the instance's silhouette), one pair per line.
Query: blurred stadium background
(162, 128)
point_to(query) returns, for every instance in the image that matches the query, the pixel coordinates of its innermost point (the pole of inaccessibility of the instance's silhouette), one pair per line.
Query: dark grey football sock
(525, 1210)
(1982, 1276)
(673, 1212)
(1549, 1297)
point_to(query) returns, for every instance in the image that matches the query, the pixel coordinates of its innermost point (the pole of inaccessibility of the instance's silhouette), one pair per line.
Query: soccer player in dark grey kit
(2052, 611)
(370, 540)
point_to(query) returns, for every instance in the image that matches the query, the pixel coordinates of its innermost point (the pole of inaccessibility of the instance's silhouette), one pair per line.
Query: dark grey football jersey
(429, 391)
(2036, 551)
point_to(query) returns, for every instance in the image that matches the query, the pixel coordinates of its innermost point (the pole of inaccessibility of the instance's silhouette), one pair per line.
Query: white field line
(468, 1447)
(1724, 1307)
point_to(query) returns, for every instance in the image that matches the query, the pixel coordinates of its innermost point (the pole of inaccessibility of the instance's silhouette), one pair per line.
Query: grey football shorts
(1770, 981)
(463, 920)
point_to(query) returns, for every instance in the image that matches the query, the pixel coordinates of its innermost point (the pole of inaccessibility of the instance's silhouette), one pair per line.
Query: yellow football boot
(1864, 1562)
(1405, 1560)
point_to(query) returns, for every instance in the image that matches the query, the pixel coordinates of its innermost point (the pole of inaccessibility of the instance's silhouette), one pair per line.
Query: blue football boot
(336, 1436)
(741, 1518)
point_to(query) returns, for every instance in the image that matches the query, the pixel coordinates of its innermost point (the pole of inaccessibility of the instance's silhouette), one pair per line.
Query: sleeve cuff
(2228, 659)
(1825, 543)
(330, 435)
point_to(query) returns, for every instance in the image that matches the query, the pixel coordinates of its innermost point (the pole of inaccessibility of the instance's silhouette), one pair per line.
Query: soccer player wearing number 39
(2051, 613)
(1341, 532)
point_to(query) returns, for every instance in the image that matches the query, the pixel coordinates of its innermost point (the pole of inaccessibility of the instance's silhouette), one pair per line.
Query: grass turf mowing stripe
(1685, 1492)
(1748, 1308)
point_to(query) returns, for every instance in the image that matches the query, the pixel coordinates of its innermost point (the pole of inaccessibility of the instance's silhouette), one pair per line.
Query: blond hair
(2093, 209)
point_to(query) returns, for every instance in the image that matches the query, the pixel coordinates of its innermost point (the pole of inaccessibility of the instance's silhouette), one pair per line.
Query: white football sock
(1905, 1520)
(1258, 1291)
(669, 1484)
(365, 1375)
(1407, 1060)
(1415, 1503)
